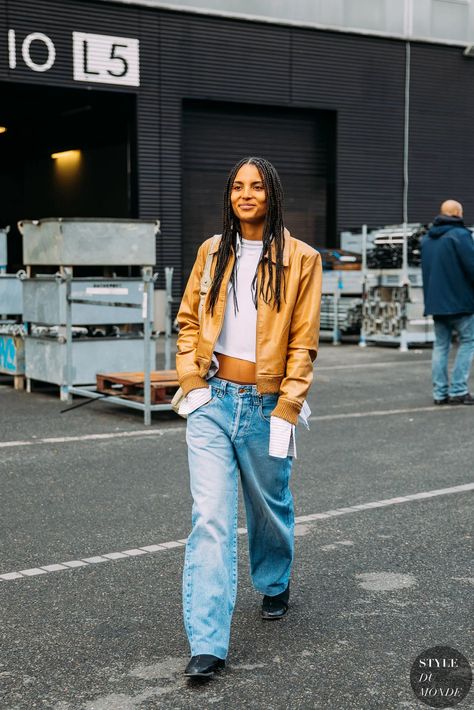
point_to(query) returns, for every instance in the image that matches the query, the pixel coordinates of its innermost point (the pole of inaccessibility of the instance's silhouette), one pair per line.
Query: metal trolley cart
(341, 304)
(392, 310)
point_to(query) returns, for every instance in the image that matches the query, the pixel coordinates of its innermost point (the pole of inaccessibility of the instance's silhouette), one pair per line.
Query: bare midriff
(243, 372)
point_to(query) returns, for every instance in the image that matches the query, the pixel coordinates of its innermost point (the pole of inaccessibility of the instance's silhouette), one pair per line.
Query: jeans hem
(284, 587)
(209, 650)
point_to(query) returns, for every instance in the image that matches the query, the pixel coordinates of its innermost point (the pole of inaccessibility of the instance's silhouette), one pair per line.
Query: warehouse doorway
(301, 145)
(64, 153)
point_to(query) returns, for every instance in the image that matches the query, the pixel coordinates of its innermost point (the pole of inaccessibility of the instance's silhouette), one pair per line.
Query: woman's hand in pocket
(196, 398)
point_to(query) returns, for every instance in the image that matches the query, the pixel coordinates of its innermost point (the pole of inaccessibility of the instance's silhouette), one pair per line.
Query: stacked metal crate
(80, 326)
(341, 303)
(12, 360)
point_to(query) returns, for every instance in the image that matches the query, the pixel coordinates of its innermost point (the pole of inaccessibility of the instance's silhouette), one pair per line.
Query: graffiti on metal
(11, 355)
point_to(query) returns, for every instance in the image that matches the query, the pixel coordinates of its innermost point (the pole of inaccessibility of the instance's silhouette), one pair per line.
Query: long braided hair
(272, 232)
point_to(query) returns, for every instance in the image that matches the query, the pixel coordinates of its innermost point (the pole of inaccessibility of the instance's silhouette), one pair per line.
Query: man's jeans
(228, 434)
(444, 326)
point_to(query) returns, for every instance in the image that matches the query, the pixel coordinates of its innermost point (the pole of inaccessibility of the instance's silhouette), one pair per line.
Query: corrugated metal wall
(360, 78)
(363, 79)
(298, 142)
(185, 56)
(208, 58)
(441, 132)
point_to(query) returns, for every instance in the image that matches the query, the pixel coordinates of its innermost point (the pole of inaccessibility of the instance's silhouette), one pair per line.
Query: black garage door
(301, 145)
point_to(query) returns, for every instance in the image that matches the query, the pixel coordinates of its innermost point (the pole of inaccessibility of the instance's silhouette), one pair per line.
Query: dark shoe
(277, 606)
(445, 400)
(204, 665)
(462, 399)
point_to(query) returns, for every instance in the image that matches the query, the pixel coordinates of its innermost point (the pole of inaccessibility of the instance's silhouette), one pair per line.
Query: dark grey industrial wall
(186, 56)
(442, 130)
(362, 79)
(299, 142)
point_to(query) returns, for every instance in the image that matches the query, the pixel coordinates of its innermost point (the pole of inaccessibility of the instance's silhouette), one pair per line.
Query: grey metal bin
(63, 300)
(89, 242)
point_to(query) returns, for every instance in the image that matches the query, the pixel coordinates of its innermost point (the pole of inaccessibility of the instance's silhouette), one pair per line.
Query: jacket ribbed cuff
(192, 381)
(287, 409)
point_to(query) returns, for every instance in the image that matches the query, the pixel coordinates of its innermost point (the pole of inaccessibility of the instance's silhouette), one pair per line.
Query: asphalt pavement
(383, 567)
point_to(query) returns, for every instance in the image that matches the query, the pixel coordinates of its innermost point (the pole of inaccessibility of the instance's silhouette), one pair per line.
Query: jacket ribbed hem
(287, 409)
(192, 381)
(268, 384)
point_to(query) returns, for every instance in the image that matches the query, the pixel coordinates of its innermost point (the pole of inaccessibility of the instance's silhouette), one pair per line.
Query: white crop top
(238, 335)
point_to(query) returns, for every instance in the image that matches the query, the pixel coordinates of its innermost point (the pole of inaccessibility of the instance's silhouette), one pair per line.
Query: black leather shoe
(204, 665)
(445, 400)
(462, 399)
(277, 606)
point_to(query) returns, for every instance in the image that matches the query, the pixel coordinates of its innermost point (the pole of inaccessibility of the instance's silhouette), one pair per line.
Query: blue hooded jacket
(447, 261)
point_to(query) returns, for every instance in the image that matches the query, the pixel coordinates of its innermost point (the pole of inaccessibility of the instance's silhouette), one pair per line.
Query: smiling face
(248, 196)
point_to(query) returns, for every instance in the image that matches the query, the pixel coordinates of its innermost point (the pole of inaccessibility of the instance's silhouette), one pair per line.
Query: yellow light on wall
(3, 129)
(66, 154)
(67, 169)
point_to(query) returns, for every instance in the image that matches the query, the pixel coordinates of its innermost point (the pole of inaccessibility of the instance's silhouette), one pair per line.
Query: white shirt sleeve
(195, 399)
(282, 438)
(282, 434)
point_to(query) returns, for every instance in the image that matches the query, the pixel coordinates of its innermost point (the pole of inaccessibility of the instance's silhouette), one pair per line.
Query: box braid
(272, 232)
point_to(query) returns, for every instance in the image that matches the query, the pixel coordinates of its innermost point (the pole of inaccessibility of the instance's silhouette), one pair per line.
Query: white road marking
(53, 568)
(153, 548)
(373, 413)
(12, 575)
(182, 429)
(149, 549)
(114, 555)
(32, 572)
(75, 563)
(362, 365)
(91, 437)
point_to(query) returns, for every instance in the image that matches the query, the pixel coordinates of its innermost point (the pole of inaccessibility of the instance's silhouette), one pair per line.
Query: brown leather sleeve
(188, 321)
(302, 342)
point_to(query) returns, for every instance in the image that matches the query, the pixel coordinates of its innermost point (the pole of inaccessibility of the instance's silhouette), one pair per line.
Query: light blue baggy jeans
(444, 326)
(228, 434)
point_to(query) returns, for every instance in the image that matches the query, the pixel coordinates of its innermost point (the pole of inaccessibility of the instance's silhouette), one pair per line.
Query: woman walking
(258, 329)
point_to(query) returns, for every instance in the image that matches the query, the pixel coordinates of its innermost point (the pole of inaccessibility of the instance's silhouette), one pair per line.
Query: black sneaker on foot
(444, 400)
(462, 399)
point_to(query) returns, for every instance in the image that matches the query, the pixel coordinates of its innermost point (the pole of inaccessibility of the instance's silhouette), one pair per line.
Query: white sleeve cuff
(282, 438)
(195, 399)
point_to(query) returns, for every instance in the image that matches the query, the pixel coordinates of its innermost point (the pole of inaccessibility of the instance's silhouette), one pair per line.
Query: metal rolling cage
(383, 302)
(64, 301)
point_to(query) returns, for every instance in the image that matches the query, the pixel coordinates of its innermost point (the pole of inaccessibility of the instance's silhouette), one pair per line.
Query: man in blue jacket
(447, 260)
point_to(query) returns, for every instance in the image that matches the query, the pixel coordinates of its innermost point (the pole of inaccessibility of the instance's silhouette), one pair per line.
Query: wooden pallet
(130, 385)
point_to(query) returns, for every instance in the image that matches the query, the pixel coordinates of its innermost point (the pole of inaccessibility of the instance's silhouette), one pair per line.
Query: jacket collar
(286, 248)
(443, 219)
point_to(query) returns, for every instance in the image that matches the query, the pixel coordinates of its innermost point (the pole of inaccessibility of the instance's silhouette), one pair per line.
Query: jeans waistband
(237, 390)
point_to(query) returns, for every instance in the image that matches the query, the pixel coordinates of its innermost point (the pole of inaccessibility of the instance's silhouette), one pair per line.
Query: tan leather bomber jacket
(287, 341)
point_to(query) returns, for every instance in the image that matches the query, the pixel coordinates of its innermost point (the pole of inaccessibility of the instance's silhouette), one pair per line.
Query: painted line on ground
(376, 413)
(362, 365)
(91, 437)
(177, 429)
(149, 549)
